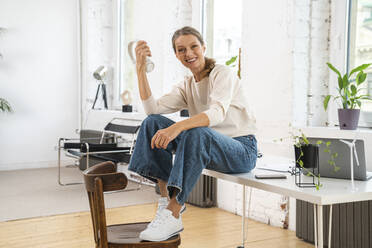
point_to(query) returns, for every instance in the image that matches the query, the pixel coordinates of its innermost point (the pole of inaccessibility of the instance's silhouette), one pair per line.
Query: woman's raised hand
(142, 51)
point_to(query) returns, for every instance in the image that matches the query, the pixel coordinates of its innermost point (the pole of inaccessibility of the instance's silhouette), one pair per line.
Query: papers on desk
(273, 164)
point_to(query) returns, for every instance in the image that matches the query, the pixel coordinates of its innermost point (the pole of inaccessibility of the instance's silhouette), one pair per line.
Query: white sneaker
(164, 226)
(163, 203)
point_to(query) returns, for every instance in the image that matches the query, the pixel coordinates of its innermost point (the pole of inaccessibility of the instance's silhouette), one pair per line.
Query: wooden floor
(204, 228)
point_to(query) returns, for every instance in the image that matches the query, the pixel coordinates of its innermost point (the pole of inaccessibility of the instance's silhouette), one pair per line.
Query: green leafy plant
(300, 140)
(349, 87)
(5, 106)
(334, 155)
(233, 61)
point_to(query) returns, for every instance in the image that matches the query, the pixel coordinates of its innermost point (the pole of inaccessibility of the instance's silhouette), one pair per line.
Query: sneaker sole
(163, 239)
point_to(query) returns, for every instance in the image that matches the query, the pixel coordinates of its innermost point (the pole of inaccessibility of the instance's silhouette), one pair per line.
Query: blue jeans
(195, 149)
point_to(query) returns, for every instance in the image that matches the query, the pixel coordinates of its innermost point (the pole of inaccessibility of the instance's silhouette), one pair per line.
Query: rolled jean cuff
(179, 198)
(148, 175)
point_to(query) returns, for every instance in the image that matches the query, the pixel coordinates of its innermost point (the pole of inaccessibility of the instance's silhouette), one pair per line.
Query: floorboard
(204, 228)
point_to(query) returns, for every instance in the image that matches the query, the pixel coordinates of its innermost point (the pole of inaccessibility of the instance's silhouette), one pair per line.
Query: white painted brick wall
(301, 61)
(319, 55)
(267, 66)
(261, 206)
(283, 61)
(310, 54)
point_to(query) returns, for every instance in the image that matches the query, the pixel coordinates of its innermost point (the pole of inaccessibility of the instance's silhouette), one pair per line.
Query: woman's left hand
(162, 137)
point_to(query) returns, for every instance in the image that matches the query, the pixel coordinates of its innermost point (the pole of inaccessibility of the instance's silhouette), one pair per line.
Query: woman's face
(190, 52)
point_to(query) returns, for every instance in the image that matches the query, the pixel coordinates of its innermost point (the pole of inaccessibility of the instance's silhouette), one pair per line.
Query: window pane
(145, 20)
(361, 41)
(224, 28)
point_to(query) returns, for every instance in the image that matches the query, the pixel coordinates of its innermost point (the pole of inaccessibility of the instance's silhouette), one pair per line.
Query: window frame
(119, 49)
(207, 29)
(352, 9)
(338, 51)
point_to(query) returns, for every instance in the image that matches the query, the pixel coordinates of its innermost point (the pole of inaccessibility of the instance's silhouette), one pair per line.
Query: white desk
(333, 191)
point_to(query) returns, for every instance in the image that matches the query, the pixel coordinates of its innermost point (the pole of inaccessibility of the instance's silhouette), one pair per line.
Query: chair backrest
(121, 128)
(117, 125)
(112, 127)
(101, 178)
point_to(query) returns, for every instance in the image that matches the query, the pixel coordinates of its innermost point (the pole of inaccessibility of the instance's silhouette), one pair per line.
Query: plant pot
(348, 118)
(310, 157)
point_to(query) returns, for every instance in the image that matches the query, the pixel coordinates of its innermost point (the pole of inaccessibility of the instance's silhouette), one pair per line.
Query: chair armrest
(71, 145)
(88, 147)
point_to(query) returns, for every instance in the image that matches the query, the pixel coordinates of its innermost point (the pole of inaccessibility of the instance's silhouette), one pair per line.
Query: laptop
(342, 160)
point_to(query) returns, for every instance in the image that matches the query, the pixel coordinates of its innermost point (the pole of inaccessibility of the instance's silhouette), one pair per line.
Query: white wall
(285, 46)
(39, 77)
(311, 51)
(267, 66)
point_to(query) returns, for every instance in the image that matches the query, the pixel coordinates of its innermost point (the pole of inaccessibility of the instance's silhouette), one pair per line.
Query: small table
(333, 191)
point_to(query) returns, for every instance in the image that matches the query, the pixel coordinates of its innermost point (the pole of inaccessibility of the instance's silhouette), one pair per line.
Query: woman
(217, 136)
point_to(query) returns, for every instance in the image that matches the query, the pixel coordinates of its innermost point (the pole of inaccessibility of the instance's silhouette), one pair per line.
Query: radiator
(351, 224)
(204, 193)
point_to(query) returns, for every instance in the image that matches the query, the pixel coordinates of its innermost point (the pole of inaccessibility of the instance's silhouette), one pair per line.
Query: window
(222, 28)
(222, 32)
(126, 70)
(360, 41)
(145, 20)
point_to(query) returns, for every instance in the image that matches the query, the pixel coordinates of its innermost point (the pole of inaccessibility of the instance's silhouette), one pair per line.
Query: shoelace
(157, 216)
(161, 206)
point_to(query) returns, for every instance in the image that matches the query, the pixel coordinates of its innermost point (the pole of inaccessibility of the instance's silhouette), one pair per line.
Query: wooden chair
(104, 177)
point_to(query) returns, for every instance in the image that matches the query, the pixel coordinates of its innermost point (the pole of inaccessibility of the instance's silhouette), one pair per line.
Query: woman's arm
(142, 51)
(199, 120)
(162, 137)
(143, 85)
(169, 103)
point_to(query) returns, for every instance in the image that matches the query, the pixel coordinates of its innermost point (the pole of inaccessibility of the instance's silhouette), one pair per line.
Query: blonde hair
(209, 62)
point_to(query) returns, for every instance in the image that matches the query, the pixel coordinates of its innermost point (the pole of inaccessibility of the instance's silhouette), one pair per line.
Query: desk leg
(244, 230)
(330, 227)
(243, 218)
(320, 226)
(315, 227)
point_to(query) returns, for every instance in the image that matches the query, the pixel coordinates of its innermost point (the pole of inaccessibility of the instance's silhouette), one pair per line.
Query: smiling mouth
(190, 60)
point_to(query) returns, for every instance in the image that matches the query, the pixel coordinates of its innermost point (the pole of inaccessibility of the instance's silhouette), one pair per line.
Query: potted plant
(351, 95)
(5, 106)
(307, 157)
